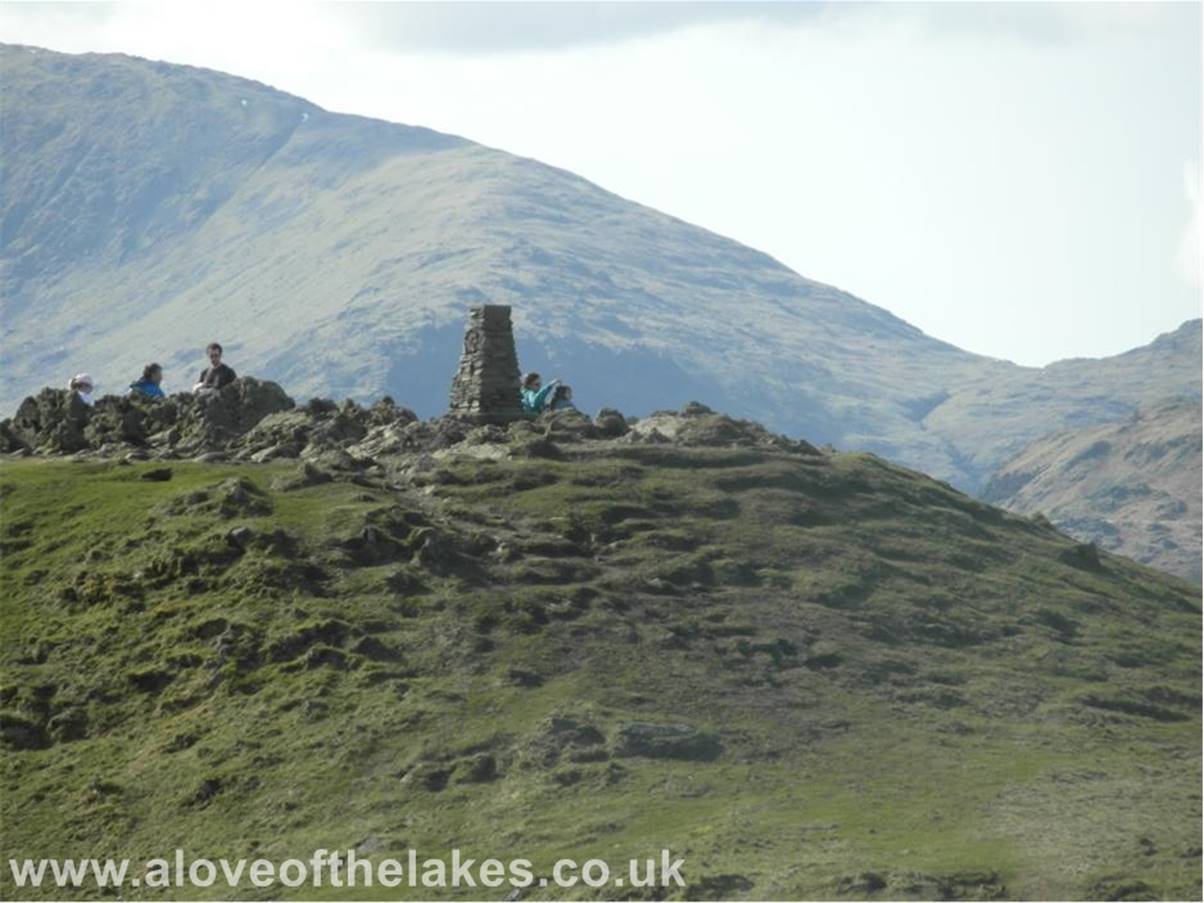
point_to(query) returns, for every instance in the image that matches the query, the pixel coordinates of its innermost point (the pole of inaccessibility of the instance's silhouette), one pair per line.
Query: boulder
(52, 421)
(240, 537)
(213, 419)
(569, 426)
(387, 439)
(10, 442)
(118, 419)
(610, 423)
(387, 413)
(279, 431)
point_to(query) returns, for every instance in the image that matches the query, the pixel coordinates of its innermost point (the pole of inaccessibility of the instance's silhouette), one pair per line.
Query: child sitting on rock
(562, 399)
(81, 385)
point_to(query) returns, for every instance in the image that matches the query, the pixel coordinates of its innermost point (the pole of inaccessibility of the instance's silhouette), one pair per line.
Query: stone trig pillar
(485, 387)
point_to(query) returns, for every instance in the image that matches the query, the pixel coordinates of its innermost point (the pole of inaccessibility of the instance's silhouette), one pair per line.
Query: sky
(1019, 179)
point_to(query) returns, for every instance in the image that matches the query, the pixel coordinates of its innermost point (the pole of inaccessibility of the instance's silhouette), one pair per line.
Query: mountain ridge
(342, 262)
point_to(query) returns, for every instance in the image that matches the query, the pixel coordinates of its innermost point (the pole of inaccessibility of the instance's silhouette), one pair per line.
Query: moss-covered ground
(887, 688)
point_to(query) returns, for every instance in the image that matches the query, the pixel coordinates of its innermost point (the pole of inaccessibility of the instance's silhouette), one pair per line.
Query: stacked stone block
(486, 384)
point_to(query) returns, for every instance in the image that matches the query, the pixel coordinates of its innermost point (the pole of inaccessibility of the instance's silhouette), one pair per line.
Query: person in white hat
(81, 384)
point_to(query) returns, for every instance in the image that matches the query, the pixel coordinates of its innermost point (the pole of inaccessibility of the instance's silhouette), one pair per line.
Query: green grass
(905, 682)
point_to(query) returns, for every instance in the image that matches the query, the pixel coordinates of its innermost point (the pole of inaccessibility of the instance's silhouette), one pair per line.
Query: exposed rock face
(696, 424)
(229, 412)
(486, 385)
(55, 421)
(1132, 488)
(250, 420)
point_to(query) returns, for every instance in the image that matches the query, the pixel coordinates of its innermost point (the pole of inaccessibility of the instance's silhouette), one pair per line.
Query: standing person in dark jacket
(152, 375)
(216, 374)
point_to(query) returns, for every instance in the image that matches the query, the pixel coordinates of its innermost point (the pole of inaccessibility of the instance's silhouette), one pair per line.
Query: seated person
(535, 397)
(562, 399)
(217, 374)
(81, 385)
(152, 376)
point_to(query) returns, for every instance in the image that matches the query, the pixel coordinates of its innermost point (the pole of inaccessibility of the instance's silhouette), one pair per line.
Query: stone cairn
(485, 387)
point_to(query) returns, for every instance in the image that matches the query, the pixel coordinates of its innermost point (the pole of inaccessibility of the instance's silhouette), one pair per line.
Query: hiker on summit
(562, 399)
(217, 374)
(152, 376)
(535, 398)
(81, 385)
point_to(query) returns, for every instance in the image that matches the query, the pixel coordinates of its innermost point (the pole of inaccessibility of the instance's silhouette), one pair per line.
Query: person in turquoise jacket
(152, 375)
(535, 397)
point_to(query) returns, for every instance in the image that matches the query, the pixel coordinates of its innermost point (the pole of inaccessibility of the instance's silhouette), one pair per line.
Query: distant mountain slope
(150, 208)
(1133, 487)
(992, 421)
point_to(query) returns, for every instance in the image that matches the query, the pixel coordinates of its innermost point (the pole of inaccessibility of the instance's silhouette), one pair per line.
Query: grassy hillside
(880, 687)
(150, 208)
(1132, 487)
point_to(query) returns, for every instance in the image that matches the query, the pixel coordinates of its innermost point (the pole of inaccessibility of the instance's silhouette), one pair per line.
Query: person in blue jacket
(152, 375)
(535, 397)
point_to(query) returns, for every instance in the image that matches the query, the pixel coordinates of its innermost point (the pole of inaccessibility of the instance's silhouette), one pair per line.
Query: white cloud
(502, 26)
(490, 27)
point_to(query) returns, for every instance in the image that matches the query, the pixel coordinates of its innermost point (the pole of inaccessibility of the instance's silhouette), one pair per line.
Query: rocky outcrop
(696, 424)
(253, 420)
(219, 417)
(53, 420)
(56, 421)
(322, 426)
